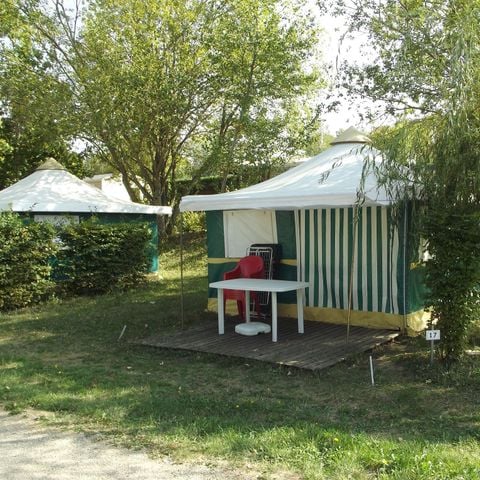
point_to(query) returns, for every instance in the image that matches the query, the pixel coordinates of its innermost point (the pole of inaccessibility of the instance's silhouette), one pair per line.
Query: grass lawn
(417, 422)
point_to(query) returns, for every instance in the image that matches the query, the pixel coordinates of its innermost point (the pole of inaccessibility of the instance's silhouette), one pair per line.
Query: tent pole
(352, 267)
(182, 312)
(298, 249)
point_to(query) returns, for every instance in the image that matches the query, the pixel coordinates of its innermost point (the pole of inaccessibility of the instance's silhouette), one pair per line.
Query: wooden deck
(321, 346)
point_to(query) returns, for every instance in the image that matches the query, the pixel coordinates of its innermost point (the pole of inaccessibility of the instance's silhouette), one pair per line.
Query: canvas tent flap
(243, 228)
(337, 177)
(52, 189)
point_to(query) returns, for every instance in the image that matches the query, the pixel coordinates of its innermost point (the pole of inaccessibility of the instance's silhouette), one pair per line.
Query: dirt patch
(31, 451)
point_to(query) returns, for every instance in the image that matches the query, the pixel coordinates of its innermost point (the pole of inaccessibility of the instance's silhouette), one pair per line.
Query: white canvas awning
(334, 178)
(52, 189)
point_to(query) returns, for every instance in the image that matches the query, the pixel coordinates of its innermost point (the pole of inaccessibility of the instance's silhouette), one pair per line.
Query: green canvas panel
(402, 264)
(416, 291)
(215, 273)
(216, 249)
(285, 221)
(215, 234)
(287, 272)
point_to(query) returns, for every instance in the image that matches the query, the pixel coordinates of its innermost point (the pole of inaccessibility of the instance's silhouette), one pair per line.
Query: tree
(34, 104)
(428, 69)
(5, 147)
(148, 83)
(26, 147)
(264, 113)
(412, 43)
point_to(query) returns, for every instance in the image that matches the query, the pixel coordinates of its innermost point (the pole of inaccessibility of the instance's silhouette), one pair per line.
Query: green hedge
(26, 251)
(97, 258)
(92, 258)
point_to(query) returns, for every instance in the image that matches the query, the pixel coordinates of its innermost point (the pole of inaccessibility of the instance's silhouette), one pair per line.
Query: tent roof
(332, 178)
(350, 135)
(51, 164)
(52, 189)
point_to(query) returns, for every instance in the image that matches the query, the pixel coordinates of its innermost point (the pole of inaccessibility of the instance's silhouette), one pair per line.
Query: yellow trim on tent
(415, 322)
(289, 261)
(222, 260)
(286, 261)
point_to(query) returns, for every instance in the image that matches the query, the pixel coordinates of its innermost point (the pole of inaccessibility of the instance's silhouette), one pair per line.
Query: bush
(453, 276)
(98, 258)
(26, 251)
(193, 222)
(473, 335)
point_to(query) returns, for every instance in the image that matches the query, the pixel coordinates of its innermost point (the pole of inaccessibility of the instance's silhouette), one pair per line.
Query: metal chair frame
(267, 255)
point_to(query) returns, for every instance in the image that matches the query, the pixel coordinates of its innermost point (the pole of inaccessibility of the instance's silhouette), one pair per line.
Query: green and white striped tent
(336, 228)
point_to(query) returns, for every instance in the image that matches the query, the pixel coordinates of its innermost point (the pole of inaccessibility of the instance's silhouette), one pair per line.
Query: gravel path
(29, 451)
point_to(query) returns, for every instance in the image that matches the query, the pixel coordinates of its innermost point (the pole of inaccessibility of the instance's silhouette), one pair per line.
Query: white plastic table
(260, 285)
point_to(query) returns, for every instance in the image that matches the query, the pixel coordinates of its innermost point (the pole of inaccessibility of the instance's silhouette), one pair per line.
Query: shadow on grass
(66, 358)
(169, 392)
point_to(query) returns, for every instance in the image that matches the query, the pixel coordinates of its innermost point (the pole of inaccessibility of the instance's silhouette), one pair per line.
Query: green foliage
(155, 87)
(5, 148)
(410, 45)
(428, 67)
(265, 114)
(319, 142)
(28, 146)
(25, 254)
(193, 222)
(97, 258)
(473, 335)
(453, 275)
(35, 105)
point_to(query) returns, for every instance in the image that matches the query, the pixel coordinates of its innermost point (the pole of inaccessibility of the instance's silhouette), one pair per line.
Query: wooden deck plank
(321, 345)
(317, 342)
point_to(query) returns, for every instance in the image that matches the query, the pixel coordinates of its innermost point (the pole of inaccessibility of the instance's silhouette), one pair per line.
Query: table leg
(300, 310)
(247, 306)
(221, 313)
(274, 316)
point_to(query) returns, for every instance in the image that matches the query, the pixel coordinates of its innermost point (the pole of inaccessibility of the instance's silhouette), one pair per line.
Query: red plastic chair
(247, 267)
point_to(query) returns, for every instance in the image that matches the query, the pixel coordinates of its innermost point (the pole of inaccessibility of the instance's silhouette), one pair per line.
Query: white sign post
(432, 335)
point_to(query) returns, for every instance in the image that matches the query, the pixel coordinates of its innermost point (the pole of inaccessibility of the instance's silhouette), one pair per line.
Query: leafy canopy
(162, 89)
(427, 72)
